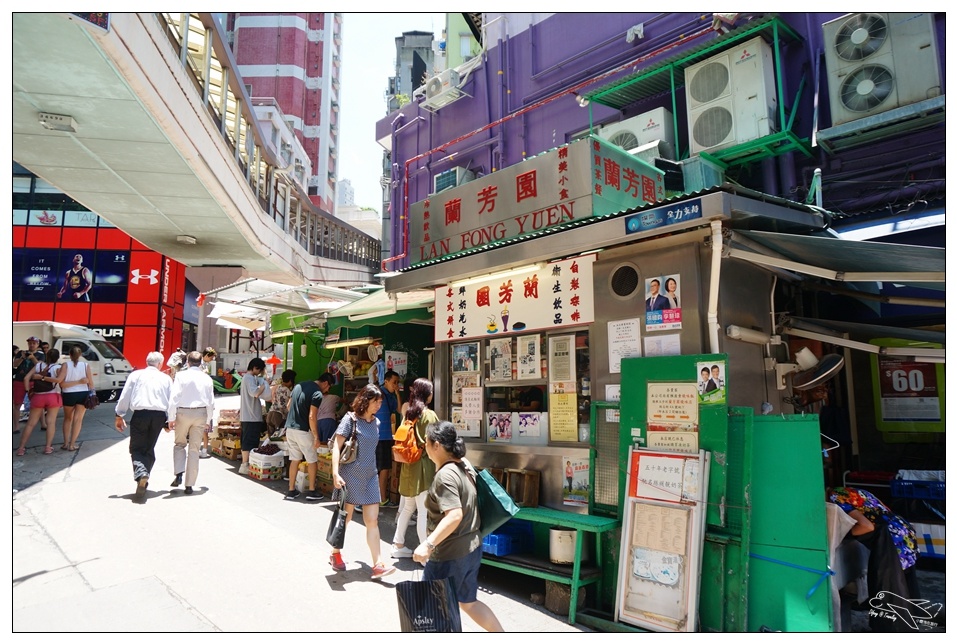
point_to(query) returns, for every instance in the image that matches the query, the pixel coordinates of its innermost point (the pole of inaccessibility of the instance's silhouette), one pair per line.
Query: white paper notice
(472, 403)
(624, 341)
(660, 478)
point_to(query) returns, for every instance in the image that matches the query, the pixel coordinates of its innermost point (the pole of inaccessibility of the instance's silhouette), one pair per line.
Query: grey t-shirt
(250, 406)
(452, 488)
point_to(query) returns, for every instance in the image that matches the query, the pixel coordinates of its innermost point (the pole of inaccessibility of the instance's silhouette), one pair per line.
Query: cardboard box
(232, 453)
(265, 473)
(231, 443)
(324, 466)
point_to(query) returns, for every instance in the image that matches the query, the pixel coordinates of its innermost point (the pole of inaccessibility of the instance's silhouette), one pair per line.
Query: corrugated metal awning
(380, 308)
(844, 260)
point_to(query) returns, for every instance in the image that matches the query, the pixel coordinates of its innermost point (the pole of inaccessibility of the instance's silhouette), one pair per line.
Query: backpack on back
(406, 448)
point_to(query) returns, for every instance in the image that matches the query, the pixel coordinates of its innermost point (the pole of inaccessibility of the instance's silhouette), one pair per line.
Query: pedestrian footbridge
(143, 120)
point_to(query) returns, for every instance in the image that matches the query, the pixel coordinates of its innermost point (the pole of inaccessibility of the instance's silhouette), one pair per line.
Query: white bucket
(561, 545)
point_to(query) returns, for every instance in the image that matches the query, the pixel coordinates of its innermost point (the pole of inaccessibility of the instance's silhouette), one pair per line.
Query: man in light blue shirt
(146, 393)
(191, 408)
(388, 415)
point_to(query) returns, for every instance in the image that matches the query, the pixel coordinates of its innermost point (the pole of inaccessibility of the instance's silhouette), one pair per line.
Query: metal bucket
(561, 545)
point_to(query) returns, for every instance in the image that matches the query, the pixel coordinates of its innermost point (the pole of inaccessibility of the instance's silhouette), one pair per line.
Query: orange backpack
(406, 448)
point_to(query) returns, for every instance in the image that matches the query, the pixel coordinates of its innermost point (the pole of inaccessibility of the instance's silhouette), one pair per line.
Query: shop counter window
(525, 389)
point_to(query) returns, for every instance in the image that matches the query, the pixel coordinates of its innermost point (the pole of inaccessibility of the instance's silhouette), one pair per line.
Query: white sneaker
(244, 468)
(203, 453)
(401, 553)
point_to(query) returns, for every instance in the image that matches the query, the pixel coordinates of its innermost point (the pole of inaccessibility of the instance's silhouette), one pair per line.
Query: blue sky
(368, 60)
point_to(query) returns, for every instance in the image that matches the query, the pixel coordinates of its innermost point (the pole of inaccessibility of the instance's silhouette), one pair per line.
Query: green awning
(381, 308)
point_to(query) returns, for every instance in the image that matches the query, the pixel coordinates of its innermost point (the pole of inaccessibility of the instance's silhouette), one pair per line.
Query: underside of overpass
(139, 147)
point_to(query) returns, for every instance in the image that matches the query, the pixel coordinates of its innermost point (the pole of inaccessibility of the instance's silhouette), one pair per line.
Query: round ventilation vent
(866, 88)
(624, 281)
(712, 126)
(709, 82)
(860, 36)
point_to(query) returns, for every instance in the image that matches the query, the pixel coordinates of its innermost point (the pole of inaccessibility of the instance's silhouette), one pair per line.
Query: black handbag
(428, 607)
(92, 400)
(336, 534)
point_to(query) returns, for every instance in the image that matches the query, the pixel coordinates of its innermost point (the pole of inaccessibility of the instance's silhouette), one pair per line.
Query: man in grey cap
(23, 361)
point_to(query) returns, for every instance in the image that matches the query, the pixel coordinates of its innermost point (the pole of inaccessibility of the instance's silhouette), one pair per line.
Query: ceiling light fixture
(189, 240)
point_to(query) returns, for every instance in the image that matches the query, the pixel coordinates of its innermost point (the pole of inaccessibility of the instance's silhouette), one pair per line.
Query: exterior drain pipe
(717, 248)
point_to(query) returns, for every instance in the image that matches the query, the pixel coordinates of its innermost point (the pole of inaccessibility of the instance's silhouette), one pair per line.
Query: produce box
(232, 453)
(216, 446)
(231, 443)
(324, 466)
(229, 414)
(265, 472)
(266, 460)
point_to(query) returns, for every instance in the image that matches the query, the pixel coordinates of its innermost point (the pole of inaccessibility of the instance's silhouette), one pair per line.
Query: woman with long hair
(47, 402)
(360, 477)
(453, 549)
(76, 386)
(415, 478)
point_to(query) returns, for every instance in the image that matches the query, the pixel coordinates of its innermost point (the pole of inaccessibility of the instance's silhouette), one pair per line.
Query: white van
(109, 366)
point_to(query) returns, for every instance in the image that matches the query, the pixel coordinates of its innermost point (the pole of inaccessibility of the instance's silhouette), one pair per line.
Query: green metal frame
(647, 83)
(597, 406)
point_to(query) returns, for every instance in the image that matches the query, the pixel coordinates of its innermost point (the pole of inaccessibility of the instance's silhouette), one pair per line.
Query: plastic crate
(497, 544)
(521, 533)
(917, 489)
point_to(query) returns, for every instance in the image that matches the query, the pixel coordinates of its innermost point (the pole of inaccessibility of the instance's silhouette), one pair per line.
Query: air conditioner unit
(451, 178)
(642, 130)
(731, 97)
(442, 89)
(879, 61)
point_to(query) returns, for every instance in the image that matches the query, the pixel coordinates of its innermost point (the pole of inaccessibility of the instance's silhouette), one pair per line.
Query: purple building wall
(529, 82)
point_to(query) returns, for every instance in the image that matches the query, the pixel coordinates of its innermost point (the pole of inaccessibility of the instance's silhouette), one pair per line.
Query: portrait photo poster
(499, 427)
(663, 303)
(710, 381)
(575, 481)
(465, 357)
(529, 423)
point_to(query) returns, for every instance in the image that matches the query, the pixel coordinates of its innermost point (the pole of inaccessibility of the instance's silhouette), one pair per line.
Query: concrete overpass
(152, 130)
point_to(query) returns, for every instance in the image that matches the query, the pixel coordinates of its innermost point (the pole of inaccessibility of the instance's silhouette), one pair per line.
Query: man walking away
(190, 412)
(251, 409)
(302, 436)
(146, 393)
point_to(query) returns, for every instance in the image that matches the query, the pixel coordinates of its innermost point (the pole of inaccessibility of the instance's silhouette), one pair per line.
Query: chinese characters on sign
(575, 490)
(558, 295)
(665, 216)
(583, 179)
(673, 417)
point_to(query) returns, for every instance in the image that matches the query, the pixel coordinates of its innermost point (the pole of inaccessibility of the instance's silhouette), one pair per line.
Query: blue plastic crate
(521, 533)
(902, 489)
(497, 544)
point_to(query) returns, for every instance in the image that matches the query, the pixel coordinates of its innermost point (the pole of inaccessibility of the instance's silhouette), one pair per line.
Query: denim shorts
(463, 573)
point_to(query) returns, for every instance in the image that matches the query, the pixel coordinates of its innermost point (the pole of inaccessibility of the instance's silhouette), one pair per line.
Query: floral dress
(902, 534)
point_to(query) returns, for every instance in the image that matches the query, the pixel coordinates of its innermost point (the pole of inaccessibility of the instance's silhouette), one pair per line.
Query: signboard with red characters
(558, 295)
(587, 178)
(908, 394)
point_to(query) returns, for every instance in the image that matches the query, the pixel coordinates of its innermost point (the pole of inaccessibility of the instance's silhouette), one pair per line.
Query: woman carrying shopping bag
(360, 475)
(415, 478)
(453, 548)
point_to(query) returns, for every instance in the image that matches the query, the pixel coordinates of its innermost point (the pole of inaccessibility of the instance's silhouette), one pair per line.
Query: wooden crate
(522, 486)
(497, 473)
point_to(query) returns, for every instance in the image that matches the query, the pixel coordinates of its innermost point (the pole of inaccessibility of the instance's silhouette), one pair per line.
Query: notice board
(661, 540)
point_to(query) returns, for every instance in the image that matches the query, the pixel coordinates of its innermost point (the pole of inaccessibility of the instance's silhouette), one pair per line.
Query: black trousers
(884, 573)
(145, 428)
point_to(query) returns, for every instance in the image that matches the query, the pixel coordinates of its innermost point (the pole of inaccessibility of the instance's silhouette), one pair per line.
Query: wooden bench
(575, 575)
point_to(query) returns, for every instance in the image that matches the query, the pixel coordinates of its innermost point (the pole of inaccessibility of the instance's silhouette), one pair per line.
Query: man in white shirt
(190, 413)
(146, 393)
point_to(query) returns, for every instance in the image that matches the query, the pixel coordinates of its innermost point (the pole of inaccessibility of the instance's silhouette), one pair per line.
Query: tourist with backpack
(415, 477)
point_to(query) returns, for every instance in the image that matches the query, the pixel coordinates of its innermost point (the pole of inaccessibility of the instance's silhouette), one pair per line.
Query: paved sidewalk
(232, 557)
